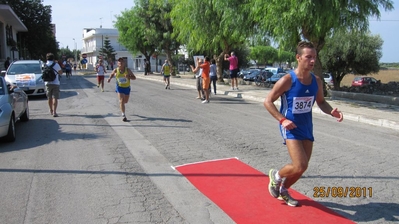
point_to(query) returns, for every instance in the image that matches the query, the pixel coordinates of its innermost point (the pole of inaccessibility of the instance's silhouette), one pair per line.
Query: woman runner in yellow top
(123, 76)
(166, 74)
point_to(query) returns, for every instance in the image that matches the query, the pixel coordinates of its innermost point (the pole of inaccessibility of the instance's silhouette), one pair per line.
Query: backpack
(48, 73)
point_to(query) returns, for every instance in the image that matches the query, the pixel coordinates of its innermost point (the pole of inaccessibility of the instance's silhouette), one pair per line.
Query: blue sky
(72, 16)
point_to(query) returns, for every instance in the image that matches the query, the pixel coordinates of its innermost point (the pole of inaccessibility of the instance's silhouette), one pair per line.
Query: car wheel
(25, 115)
(10, 137)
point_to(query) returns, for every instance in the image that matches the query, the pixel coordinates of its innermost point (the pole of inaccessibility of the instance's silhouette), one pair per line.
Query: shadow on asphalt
(366, 212)
(38, 132)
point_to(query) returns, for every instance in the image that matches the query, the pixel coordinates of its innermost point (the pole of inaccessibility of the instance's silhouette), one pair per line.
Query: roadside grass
(391, 75)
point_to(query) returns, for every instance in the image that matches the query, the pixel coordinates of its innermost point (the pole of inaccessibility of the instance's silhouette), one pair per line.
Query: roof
(8, 16)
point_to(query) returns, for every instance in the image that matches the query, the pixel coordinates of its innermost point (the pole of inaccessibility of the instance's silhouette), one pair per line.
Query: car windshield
(358, 78)
(17, 69)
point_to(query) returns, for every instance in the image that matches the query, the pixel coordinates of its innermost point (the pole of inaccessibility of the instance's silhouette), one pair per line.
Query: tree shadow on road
(371, 212)
(38, 132)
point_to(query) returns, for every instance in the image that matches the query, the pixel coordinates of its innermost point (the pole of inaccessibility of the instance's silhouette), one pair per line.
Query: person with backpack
(52, 87)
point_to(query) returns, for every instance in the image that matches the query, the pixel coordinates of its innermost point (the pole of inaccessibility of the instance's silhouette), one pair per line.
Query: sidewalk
(377, 114)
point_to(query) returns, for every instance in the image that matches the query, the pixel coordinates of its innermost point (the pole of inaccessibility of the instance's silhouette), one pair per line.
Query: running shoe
(285, 196)
(205, 101)
(274, 186)
(124, 118)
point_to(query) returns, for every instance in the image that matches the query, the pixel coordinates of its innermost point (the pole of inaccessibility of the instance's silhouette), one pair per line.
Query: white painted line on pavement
(185, 198)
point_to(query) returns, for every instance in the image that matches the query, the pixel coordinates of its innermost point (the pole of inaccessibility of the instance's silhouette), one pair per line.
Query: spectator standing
(166, 69)
(53, 87)
(100, 69)
(146, 67)
(201, 94)
(298, 90)
(123, 76)
(205, 76)
(7, 63)
(233, 69)
(213, 75)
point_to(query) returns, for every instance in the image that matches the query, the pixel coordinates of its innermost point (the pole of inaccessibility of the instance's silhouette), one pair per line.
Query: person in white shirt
(53, 87)
(100, 69)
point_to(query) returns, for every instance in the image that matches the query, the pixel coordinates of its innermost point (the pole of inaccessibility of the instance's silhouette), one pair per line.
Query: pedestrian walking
(233, 67)
(123, 76)
(146, 67)
(166, 69)
(213, 75)
(53, 87)
(7, 63)
(298, 90)
(68, 70)
(205, 76)
(100, 69)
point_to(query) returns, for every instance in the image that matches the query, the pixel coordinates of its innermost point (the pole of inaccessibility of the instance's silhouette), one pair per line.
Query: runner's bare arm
(324, 105)
(279, 88)
(111, 75)
(130, 75)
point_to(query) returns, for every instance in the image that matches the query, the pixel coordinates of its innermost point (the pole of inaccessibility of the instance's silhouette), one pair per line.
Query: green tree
(39, 39)
(132, 33)
(159, 30)
(285, 57)
(351, 52)
(263, 54)
(289, 21)
(107, 51)
(68, 54)
(217, 27)
(65, 52)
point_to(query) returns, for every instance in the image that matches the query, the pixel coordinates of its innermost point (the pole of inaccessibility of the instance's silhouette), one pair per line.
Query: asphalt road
(87, 166)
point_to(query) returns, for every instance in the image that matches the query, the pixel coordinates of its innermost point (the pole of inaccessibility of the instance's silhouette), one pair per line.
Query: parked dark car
(274, 78)
(243, 72)
(251, 75)
(362, 81)
(275, 70)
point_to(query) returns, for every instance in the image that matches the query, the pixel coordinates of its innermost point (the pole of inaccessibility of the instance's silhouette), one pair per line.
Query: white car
(328, 79)
(13, 107)
(27, 75)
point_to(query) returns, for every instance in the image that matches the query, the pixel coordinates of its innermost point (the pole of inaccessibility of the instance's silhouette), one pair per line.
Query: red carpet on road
(241, 192)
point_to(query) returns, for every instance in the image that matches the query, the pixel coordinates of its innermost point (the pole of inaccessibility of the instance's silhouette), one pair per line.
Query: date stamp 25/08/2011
(342, 192)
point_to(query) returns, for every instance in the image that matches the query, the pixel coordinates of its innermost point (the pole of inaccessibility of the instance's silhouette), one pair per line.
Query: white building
(10, 25)
(93, 41)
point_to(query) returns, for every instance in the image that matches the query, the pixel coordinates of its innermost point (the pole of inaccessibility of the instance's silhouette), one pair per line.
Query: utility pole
(76, 51)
